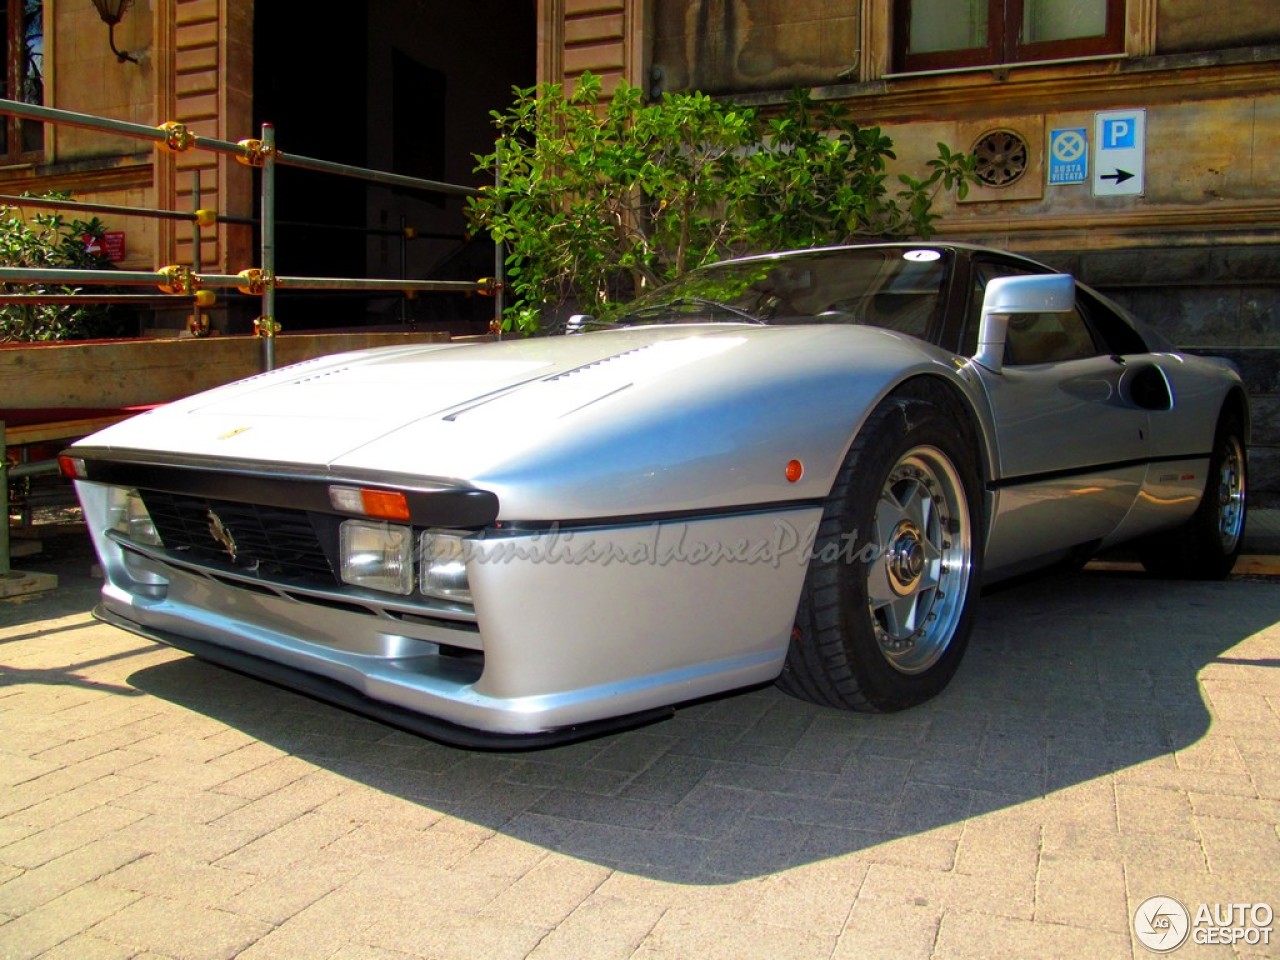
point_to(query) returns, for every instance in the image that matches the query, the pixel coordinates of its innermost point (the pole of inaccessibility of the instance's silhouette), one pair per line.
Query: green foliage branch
(597, 202)
(50, 241)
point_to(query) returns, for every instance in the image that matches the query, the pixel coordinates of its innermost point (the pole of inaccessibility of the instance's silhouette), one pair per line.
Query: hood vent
(595, 364)
(321, 375)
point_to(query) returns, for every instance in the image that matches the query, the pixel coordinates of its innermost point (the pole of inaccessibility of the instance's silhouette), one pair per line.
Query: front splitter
(339, 694)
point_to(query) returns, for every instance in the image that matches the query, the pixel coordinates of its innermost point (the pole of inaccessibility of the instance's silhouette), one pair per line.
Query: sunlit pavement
(1109, 739)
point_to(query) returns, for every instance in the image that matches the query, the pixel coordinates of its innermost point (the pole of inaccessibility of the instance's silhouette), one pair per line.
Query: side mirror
(576, 322)
(1007, 296)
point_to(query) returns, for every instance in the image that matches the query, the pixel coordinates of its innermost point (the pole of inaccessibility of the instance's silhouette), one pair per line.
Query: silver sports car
(798, 468)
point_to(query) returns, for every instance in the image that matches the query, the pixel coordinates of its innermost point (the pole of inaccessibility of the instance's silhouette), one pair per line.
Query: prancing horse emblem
(218, 530)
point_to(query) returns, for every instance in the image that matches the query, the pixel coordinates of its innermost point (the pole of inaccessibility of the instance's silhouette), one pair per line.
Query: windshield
(897, 288)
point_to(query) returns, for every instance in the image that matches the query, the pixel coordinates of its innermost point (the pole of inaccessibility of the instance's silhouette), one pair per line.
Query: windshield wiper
(650, 309)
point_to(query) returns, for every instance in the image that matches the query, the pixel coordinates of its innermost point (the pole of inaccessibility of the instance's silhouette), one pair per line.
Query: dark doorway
(404, 86)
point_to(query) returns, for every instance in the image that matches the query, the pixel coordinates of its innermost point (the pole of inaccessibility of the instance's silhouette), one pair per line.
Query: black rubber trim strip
(457, 507)
(339, 694)
(517, 527)
(1030, 478)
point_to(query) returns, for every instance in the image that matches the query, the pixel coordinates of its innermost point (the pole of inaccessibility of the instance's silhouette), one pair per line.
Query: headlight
(127, 515)
(443, 560)
(377, 555)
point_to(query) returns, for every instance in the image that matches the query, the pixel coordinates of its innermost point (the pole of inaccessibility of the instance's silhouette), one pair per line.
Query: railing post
(499, 260)
(267, 322)
(197, 238)
(4, 498)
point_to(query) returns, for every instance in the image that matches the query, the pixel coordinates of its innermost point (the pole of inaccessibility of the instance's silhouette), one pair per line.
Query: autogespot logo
(1161, 924)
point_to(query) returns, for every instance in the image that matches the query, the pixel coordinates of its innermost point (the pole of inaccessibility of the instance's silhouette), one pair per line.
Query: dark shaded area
(401, 87)
(315, 93)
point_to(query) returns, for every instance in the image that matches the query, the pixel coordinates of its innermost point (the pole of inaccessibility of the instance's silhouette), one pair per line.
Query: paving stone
(1084, 893)
(1240, 848)
(90, 948)
(335, 920)
(815, 898)
(988, 894)
(977, 936)
(182, 837)
(60, 919)
(1166, 813)
(195, 806)
(181, 929)
(877, 931)
(69, 835)
(161, 875)
(79, 800)
(294, 841)
(601, 928)
(548, 893)
(368, 806)
(448, 935)
(684, 932)
(29, 889)
(1073, 768)
(275, 898)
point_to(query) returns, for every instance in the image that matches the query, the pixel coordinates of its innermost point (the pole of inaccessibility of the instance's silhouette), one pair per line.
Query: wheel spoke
(879, 592)
(916, 583)
(918, 505)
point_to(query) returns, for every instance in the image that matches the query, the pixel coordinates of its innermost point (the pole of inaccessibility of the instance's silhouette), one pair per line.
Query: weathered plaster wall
(721, 46)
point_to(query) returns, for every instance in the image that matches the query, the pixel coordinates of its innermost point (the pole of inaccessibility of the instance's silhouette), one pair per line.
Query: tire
(887, 605)
(1207, 545)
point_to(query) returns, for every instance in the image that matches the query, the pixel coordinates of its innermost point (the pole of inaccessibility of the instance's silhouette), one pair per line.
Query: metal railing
(262, 281)
(179, 284)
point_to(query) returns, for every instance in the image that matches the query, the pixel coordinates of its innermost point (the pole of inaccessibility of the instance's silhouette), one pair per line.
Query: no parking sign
(1068, 155)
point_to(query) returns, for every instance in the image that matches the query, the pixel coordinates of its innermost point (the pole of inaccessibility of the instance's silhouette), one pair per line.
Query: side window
(1114, 333)
(1049, 338)
(1033, 337)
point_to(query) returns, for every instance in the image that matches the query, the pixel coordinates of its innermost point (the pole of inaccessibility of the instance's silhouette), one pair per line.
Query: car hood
(589, 420)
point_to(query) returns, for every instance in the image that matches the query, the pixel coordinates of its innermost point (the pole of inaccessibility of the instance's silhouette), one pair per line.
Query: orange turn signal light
(366, 501)
(795, 470)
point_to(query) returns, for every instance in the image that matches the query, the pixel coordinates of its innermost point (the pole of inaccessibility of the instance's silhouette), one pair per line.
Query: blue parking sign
(1119, 134)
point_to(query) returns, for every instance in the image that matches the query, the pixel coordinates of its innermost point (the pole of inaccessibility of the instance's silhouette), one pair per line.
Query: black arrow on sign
(1120, 176)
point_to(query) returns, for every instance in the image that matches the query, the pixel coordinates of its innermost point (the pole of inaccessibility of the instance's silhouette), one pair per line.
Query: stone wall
(719, 46)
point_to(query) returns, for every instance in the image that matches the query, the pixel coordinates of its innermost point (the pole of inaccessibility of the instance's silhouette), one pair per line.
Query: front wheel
(1207, 545)
(887, 604)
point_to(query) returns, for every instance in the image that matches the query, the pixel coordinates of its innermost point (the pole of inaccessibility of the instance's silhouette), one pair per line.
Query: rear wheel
(887, 605)
(1207, 545)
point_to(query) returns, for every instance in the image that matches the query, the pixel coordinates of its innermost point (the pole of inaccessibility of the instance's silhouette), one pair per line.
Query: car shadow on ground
(1067, 679)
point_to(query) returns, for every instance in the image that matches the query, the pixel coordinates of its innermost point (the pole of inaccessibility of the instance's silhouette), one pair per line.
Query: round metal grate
(1001, 157)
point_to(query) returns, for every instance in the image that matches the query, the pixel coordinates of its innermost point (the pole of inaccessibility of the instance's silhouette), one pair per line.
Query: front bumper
(591, 631)
(342, 695)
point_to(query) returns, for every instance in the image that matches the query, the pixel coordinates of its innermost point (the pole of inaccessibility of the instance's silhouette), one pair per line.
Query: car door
(1071, 441)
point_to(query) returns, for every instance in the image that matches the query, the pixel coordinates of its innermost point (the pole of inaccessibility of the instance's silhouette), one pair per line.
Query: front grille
(274, 542)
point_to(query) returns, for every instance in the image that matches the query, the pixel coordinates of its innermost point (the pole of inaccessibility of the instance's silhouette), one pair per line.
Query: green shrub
(597, 202)
(48, 240)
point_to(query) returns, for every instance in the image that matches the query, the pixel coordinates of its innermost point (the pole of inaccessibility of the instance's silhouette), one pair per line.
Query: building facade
(1129, 141)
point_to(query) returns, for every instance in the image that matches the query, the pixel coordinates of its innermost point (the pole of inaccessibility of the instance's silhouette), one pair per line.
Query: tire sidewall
(1218, 561)
(913, 423)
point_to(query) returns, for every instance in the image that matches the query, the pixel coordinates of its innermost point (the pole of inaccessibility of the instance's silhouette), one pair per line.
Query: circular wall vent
(1001, 157)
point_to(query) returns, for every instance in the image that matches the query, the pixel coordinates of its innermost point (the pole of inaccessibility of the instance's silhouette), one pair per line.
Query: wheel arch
(967, 399)
(1236, 403)
(839, 654)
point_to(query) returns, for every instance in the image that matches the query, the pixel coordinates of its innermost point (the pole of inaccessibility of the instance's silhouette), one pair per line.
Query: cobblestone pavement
(1108, 739)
